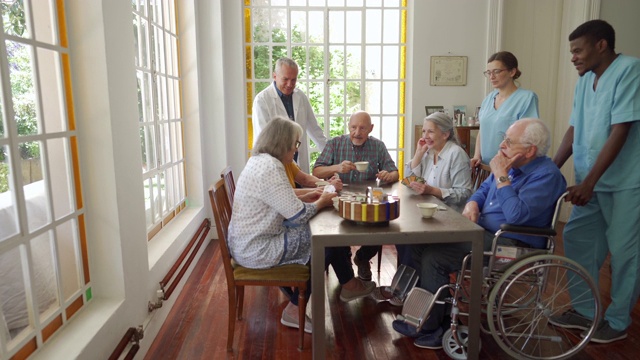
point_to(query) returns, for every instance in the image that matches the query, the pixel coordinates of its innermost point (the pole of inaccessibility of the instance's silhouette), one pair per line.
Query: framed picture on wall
(433, 108)
(448, 71)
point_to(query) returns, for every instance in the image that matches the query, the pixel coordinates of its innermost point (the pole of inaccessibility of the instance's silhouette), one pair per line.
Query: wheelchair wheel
(452, 348)
(520, 316)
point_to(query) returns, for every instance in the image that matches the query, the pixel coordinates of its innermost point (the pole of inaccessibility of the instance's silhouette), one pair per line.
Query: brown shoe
(347, 295)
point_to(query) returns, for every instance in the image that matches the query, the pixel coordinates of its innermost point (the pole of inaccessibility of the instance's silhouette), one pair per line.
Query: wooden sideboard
(466, 134)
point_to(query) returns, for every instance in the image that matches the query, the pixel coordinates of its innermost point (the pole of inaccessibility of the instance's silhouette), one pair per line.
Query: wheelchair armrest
(528, 230)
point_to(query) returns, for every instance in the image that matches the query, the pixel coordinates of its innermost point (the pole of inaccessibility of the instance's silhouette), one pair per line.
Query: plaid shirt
(340, 148)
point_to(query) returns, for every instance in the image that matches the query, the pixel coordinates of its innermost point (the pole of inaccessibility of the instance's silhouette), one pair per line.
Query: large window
(351, 56)
(44, 274)
(160, 117)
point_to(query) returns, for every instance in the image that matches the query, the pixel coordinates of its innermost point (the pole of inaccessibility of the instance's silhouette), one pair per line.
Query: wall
(623, 16)
(443, 28)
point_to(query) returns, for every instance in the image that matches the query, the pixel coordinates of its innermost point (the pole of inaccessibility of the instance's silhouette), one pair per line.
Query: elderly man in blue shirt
(522, 190)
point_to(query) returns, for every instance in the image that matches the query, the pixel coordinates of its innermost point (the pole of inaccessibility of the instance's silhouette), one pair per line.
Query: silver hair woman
(445, 124)
(277, 138)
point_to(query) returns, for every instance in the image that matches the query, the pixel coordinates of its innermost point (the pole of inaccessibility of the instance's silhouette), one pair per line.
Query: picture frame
(430, 109)
(448, 71)
(459, 109)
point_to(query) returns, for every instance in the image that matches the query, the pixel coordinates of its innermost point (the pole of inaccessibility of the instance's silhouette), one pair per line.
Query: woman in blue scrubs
(502, 107)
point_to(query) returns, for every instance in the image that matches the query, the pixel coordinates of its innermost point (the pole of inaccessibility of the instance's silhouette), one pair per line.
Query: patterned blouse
(269, 224)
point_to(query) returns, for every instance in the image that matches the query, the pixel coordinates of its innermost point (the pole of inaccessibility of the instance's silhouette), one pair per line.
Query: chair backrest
(222, 214)
(227, 175)
(479, 175)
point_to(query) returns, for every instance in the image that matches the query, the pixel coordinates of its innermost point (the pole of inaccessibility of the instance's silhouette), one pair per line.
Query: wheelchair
(522, 288)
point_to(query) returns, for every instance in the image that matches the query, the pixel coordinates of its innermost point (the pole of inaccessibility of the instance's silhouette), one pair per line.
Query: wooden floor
(197, 326)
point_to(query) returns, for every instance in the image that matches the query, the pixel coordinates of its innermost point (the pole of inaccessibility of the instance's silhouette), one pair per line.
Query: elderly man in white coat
(283, 99)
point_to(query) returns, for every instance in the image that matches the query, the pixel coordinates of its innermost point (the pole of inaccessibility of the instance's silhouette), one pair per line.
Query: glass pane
(299, 55)
(162, 190)
(147, 201)
(148, 148)
(353, 96)
(391, 34)
(336, 62)
(316, 27)
(390, 59)
(338, 126)
(336, 26)
(316, 97)
(279, 26)
(158, 36)
(336, 94)
(165, 132)
(390, 94)
(335, 2)
(374, 3)
(170, 188)
(12, 294)
(147, 96)
(298, 26)
(22, 88)
(181, 179)
(169, 56)
(2, 122)
(261, 67)
(53, 104)
(316, 62)
(354, 27)
(171, 111)
(162, 97)
(176, 98)
(297, 2)
(144, 43)
(317, 2)
(34, 188)
(14, 19)
(61, 183)
(44, 28)
(374, 26)
(278, 2)
(140, 92)
(67, 240)
(373, 64)
(354, 62)
(372, 97)
(45, 285)
(8, 216)
(375, 121)
(389, 130)
(178, 136)
(261, 28)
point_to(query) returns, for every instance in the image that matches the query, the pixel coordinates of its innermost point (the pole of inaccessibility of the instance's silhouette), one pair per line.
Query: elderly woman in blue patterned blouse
(270, 225)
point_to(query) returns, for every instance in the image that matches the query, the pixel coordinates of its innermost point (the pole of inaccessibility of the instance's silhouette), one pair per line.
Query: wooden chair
(479, 175)
(227, 175)
(238, 276)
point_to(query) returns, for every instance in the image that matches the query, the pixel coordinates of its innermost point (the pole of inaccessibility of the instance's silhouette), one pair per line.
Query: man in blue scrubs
(604, 138)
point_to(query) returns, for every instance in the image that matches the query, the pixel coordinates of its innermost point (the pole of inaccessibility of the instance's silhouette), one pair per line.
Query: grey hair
(445, 124)
(537, 133)
(284, 61)
(278, 138)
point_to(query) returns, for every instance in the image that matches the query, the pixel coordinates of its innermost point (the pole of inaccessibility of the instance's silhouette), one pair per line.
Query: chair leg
(379, 259)
(240, 290)
(232, 318)
(302, 308)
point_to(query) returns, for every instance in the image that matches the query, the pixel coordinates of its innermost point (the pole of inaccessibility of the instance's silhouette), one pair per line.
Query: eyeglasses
(509, 142)
(494, 72)
(298, 143)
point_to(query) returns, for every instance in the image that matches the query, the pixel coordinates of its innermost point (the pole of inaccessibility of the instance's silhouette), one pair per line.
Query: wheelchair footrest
(417, 307)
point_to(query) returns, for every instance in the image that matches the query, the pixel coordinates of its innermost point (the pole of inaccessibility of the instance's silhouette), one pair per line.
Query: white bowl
(321, 183)
(362, 166)
(428, 209)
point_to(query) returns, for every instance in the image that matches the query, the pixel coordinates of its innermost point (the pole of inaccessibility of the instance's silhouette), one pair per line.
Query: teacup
(362, 165)
(428, 209)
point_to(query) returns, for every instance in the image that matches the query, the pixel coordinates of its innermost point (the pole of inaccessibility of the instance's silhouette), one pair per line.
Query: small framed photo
(459, 109)
(433, 109)
(448, 71)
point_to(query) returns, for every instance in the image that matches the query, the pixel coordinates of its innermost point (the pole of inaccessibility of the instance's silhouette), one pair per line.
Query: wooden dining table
(329, 229)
